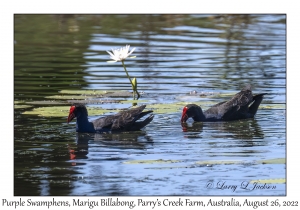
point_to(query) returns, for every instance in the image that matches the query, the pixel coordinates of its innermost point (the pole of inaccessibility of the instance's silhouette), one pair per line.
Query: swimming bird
(242, 105)
(122, 121)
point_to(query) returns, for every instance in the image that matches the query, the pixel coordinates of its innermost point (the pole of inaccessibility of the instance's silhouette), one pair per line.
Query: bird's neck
(83, 125)
(198, 115)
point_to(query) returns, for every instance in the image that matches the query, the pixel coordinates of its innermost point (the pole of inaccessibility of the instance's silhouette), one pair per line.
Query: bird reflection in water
(122, 140)
(239, 129)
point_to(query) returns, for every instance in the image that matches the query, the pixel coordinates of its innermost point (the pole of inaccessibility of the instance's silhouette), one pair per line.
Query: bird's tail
(143, 114)
(141, 124)
(256, 102)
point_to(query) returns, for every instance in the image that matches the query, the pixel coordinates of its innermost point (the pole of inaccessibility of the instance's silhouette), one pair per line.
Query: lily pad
(223, 95)
(93, 101)
(62, 111)
(273, 161)
(65, 97)
(84, 92)
(54, 111)
(166, 108)
(272, 106)
(45, 102)
(270, 181)
(218, 162)
(159, 161)
(18, 102)
(21, 106)
(119, 94)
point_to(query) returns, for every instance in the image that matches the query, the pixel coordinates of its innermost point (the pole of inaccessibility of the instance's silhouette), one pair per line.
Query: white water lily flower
(120, 54)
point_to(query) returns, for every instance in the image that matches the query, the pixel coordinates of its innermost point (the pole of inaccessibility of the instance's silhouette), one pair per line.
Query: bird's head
(76, 111)
(190, 110)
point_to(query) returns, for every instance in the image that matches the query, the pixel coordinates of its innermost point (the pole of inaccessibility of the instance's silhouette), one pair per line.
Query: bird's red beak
(71, 114)
(184, 116)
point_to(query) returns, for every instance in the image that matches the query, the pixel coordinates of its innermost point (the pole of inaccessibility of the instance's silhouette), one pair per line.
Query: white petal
(131, 51)
(110, 53)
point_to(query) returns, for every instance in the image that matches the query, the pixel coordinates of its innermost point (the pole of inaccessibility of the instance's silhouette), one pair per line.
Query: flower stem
(131, 82)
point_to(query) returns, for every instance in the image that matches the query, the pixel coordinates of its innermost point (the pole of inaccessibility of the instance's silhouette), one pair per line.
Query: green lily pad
(84, 92)
(272, 106)
(273, 161)
(218, 162)
(54, 111)
(166, 108)
(62, 111)
(97, 92)
(21, 106)
(119, 93)
(45, 102)
(270, 181)
(238, 154)
(18, 102)
(65, 97)
(159, 161)
(93, 101)
(223, 95)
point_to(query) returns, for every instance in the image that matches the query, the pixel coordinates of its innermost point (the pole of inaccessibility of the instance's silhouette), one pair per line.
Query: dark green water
(176, 55)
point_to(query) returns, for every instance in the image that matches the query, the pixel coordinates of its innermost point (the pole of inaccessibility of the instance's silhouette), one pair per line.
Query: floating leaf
(18, 102)
(273, 161)
(65, 97)
(84, 92)
(93, 101)
(218, 162)
(99, 94)
(166, 108)
(21, 106)
(45, 102)
(53, 111)
(119, 94)
(272, 106)
(224, 95)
